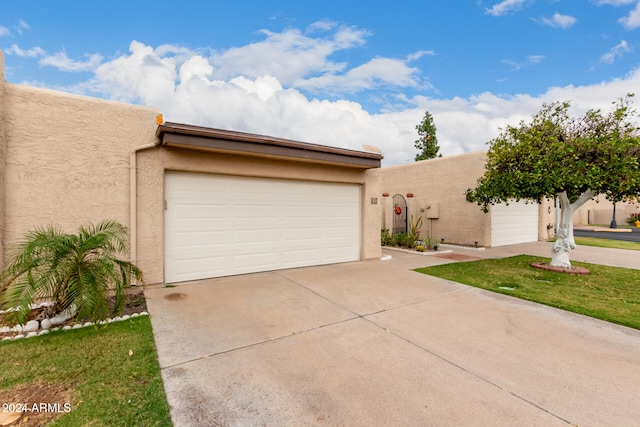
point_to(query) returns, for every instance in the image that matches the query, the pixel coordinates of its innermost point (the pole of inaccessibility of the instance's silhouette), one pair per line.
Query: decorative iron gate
(399, 214)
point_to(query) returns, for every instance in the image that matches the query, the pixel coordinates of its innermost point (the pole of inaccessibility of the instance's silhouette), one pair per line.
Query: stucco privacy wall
(153, 164)
(441, 183)
(67, 158)
(600, 211)
(3, 147)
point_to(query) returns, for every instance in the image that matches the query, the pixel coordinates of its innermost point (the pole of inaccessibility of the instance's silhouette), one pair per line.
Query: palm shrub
(76, 271)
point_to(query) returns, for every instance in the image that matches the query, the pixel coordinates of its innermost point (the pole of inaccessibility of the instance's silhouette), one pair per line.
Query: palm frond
(75, 270)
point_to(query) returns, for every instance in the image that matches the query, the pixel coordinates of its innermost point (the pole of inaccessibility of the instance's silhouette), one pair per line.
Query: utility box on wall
(433, 211)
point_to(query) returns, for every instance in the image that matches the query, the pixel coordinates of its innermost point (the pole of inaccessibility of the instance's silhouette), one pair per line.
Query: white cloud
(632, 21)
(59, 60)
(505, 7)
(4, 31)
(614, 2)
(616, 52)
(529, 60)
(62, 62)
(289, 55)
(377, 72)
(29, 53)
(559, 21)
(185, 87)
(22, 25)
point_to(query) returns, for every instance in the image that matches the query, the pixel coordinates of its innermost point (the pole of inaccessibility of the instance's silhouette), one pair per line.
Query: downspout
(133, 195)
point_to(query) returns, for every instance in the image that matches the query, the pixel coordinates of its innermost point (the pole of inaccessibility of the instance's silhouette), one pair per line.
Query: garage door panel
(220, 225)
(300, 212)
(199, 238)
(199, 210)
(303, 233)
(263, 261)
(514, 223)
(187, 269)
(248, 236)
(254, 212)
(300, 257)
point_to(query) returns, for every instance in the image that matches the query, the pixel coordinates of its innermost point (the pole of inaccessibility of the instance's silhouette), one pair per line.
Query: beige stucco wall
(152, 165)
(67, 160)
(441, 183)
(600, 211)
(68, 163)
(3, 147)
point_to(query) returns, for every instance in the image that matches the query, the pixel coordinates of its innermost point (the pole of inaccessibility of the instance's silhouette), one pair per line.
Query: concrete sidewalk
(595, 255)
(374, 343)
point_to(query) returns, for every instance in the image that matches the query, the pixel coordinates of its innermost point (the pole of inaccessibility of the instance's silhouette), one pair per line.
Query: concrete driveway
(373, 343)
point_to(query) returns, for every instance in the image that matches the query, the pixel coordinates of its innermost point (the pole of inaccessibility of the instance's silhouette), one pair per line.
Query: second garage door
(223, 225)
(515, 223)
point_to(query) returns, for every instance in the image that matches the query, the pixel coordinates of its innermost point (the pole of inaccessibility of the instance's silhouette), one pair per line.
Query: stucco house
(198, 202)
(202, 202)
(435, 189)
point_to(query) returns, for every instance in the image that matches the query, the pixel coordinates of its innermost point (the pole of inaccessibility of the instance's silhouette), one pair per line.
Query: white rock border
(411, 251)
(36, 333)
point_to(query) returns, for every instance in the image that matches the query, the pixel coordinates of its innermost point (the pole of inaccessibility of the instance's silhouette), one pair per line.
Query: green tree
(427, 144)
(73, 270)
(573, 159)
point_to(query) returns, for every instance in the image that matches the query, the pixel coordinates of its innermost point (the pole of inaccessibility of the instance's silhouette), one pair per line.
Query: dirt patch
(458, 257)
(573, 270)
(34, 404)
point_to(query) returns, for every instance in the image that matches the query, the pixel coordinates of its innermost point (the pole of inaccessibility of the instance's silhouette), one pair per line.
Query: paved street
(633, 236)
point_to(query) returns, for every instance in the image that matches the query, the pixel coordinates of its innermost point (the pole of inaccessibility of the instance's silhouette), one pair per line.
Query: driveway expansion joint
(258, 343)
(366, 318)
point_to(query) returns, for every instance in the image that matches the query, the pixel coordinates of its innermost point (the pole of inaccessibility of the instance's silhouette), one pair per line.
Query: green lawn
(607, 243)
(112, 374)
(608, 293)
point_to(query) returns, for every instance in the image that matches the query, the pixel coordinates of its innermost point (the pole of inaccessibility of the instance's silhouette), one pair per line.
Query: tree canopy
(427, 144)
(573, 159)
(555, 154)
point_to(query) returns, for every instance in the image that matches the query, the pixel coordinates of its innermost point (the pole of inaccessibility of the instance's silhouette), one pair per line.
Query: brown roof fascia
(179, 135)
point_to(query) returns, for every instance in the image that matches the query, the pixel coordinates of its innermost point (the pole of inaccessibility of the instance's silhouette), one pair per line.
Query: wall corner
(3, 152)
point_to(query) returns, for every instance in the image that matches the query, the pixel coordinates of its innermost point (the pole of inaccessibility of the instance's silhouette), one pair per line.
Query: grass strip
(608, 293)
(112, 372)
(607, 243)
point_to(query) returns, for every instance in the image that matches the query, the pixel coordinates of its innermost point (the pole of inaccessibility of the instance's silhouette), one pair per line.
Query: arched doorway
(399, 214)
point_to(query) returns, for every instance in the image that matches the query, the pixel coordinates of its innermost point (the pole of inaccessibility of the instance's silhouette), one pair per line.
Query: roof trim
(179, 135)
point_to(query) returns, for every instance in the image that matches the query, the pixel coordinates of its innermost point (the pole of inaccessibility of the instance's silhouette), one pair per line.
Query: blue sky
(335, 73)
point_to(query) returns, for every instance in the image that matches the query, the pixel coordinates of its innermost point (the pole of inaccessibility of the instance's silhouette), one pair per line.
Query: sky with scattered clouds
(344, 74)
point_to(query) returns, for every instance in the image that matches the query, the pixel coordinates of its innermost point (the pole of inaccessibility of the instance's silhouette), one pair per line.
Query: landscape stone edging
(41, 332)
(410, 251)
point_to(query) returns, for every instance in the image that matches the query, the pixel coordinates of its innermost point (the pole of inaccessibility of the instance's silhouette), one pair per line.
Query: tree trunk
(565, 243)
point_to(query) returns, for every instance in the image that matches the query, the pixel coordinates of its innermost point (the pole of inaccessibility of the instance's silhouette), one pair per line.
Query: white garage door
(220, 225)
(516, 223)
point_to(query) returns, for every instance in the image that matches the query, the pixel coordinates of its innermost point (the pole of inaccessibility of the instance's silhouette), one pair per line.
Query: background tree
(573, 159)
(427, 144)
